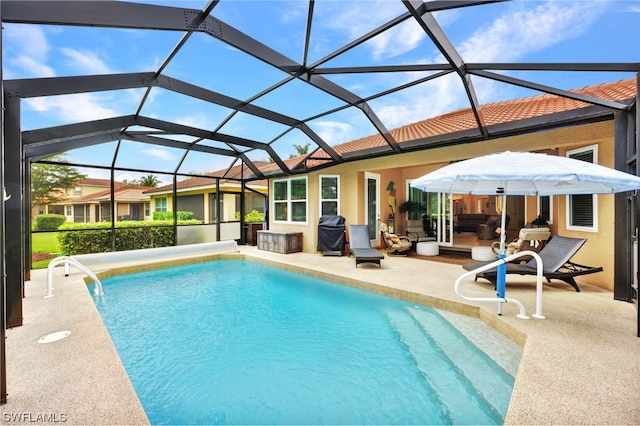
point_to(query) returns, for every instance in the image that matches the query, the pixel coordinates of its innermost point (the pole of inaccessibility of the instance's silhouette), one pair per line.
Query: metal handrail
(539, 274)
(70, 260)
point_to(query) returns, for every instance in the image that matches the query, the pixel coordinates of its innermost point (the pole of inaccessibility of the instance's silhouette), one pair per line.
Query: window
(290, 200)
(77, 190)
(582, 214)
(545, 208)
(329, 195)
(68, 211)
(161, 204)
(147, 209)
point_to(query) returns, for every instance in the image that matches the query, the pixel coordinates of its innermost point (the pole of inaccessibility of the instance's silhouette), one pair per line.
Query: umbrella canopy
(526, 173)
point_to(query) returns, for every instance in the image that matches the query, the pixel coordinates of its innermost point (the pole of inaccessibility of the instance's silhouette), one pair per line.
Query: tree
(49, 181)
(301, 149)
(151, 181)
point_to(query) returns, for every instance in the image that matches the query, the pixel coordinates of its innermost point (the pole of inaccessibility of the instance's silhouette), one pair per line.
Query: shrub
(182, 215)
(253, 216)
(83, 238)
(49, 221)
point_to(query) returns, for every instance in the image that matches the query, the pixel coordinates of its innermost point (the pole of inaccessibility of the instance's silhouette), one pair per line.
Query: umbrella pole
(502, 268)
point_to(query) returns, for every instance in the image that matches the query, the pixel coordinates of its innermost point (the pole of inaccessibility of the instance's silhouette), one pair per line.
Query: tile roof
(232, 175)
(494, 113)
(498, 113)
(122, 193)
(99, 182)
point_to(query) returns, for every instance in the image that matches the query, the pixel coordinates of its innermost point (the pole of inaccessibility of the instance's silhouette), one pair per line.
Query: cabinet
(280, 242)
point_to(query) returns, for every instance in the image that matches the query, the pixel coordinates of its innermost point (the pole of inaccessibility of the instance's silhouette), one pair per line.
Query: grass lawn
(45, 243)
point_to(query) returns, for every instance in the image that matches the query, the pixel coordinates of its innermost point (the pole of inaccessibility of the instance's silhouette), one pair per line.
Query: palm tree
(301, 149)
(151, 181)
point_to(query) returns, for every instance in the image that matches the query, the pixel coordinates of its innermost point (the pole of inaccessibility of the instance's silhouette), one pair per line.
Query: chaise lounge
(360, 245)
(396, 244)
(555, 257)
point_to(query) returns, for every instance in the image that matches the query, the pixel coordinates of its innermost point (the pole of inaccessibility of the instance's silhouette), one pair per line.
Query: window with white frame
(582, 211)
(68, 211)
(329, 195)
(290, 200)
(161, 204)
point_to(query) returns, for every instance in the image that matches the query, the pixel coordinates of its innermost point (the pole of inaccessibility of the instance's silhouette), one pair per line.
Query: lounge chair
(360, 245)
(396, 244)
(416, 232)
(532, 239)
(555, 257)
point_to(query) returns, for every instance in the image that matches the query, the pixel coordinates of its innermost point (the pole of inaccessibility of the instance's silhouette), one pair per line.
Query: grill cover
(331, 233)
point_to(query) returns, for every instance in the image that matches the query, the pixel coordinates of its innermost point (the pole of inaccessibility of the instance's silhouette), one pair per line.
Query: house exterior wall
(598, 251)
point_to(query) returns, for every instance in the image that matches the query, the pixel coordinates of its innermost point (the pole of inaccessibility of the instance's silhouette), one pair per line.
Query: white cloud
(333, 131)
(420, 102)
(197, 120)
(294, 11)
(509, 37)
(520, 32)
(356, 19)
(72, 108)
(397, 41)
(30, 40)
(158, 153)
(32, 67)
(26, 49)
(85, 62)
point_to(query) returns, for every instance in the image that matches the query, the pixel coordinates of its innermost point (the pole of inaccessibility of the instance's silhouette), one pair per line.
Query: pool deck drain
(54, 337)
(579, 366)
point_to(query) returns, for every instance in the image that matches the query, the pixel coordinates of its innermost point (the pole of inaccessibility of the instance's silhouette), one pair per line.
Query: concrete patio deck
(579, 365)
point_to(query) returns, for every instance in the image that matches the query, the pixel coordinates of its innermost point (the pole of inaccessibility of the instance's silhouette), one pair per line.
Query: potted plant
(409, 206)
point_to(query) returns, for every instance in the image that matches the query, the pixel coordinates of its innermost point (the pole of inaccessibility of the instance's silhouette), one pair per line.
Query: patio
(578, 365)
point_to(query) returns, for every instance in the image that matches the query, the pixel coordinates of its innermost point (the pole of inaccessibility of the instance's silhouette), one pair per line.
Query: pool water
(237, 342)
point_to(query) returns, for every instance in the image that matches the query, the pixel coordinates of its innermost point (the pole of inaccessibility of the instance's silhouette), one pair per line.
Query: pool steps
(463, 362)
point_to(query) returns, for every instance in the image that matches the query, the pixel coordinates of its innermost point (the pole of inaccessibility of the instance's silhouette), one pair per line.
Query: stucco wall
(598, 251)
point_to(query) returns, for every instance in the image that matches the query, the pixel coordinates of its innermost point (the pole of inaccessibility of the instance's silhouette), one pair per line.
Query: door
(372, 205)
(444, 224)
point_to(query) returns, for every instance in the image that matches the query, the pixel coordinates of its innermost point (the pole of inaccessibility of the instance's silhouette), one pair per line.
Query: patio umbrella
(524, 173)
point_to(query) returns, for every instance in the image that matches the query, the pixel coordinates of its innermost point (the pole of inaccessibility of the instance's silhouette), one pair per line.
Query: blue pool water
(235, 342)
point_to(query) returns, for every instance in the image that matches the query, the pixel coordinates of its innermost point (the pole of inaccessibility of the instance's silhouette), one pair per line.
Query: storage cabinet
(280, 242)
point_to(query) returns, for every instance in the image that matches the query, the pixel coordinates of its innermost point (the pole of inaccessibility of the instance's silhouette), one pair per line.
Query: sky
(517, 31)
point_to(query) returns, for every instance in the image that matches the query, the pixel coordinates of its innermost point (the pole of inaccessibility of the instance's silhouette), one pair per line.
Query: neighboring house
(90, 201)
(359, 190)
(209, 202)
(216, 201)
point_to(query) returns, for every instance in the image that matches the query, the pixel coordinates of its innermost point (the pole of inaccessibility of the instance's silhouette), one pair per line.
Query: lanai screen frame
(20, 147)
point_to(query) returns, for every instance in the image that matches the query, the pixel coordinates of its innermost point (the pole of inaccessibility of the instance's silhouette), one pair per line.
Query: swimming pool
(237, 342)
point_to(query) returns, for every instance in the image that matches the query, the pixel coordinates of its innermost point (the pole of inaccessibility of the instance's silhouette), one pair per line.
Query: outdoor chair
(555, 262)
(360, 245)
(532, 239)
(396, 244)
(416, 233)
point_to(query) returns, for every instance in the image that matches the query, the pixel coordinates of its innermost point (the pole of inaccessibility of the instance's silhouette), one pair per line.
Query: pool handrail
(70, 260)
(491, 265)
(101, 260)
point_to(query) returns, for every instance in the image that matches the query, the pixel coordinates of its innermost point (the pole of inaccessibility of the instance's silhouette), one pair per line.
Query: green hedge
(253, 216)
(49, 221)
(83, 238)
(182, 215)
